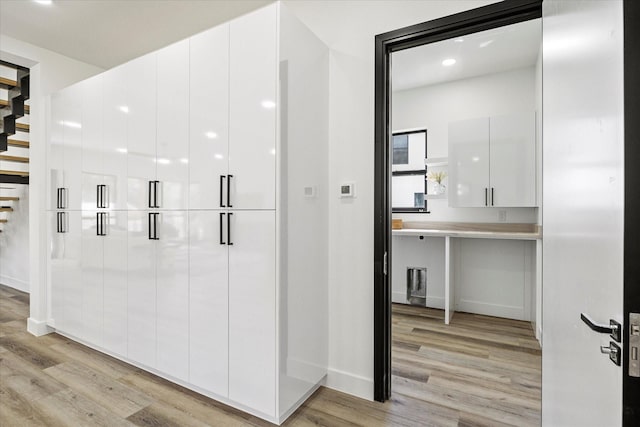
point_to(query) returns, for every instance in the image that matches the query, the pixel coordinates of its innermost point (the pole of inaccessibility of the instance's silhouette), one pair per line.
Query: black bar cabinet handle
(63, 222)
(222, 205)
(229, 242)
(58, 198)
(58, 222)
(98, 224)
(150, 190)
(491, 196)
(486, 203)
(222, 242)
(155, 226)
(155, 194)
(229, 191)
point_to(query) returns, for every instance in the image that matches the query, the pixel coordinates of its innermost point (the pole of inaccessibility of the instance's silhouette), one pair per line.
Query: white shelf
(435, 196)
(436, 161)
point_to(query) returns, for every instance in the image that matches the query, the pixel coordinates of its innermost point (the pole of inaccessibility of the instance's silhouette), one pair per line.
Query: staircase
(14, 137)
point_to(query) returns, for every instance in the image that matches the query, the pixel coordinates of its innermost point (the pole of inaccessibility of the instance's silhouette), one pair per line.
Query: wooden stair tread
(15, 173)
(18, 143)
(5, 103)
(3, 221)
(16, 159)
(4, 82)
(22, 127)
(5, 209)
(9, 199)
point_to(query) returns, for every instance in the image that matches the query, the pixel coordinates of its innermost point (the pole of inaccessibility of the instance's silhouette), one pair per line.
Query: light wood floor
(478, 372)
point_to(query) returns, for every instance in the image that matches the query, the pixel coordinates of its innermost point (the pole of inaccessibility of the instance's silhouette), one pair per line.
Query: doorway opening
(470, 82)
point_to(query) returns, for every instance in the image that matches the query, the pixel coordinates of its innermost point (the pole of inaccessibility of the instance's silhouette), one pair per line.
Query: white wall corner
(38, 327)
(351, 384)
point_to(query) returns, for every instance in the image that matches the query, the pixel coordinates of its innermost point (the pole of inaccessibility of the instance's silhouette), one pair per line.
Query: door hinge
(384, 264)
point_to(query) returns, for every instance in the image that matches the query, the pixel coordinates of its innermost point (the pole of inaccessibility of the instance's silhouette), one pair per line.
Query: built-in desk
(451, 236)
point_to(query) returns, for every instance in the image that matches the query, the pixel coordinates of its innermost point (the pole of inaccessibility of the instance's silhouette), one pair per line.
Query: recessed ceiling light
(47, 2)
(448, 62)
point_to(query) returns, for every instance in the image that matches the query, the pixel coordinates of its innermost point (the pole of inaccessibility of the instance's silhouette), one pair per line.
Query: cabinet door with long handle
(208, 301)
(91, 262)
(115, 282)
(252, 316)
(208, 118)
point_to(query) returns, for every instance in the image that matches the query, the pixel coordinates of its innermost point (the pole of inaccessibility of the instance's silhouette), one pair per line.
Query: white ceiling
(492, 51)
(107, 33)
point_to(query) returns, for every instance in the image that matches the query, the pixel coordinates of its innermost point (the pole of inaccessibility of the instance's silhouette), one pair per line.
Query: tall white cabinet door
(72, 255)
(252, 109)
(92, 278)
(115, 111)
(72, 120)
(115, 283)
(469, 163)
(513, 160)
(55, 151)
(141, 129)
(56, 267)
(172, 282)
(141, 295)
(208, 301)
(173, 126)
(252, 315)
(209, 118)
(92, 140)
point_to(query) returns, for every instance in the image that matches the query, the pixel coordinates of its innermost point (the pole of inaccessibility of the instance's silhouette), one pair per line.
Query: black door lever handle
(613, 328)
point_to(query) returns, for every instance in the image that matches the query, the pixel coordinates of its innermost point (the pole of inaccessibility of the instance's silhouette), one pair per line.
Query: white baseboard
(15, 283)
(498, 310)
(38, 327)
(346, 382)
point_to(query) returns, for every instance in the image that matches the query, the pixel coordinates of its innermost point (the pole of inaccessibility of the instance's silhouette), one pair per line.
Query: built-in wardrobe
(187, 202)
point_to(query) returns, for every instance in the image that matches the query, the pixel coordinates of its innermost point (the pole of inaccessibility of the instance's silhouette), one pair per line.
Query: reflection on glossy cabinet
(209, 118)
(252, 315)
(115, 282)
(91, 263)
(92, 140)
(209, 299)
(252, 110)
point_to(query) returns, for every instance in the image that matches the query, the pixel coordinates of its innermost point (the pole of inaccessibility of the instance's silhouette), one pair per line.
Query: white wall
(14, 239)
(49, 72)
(434, 107)
(349, 28)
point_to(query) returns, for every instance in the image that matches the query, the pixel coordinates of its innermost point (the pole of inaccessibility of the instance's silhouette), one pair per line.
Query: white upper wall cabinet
(513, 160)
(469, 163)
(209, 118)
(252, 108)
(492, 162)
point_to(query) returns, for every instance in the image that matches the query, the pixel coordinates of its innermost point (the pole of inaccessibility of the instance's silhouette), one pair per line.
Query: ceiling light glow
(45, 2)
(448, 62)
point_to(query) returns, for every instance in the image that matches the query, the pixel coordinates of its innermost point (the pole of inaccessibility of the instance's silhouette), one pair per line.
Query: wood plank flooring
(479, 371)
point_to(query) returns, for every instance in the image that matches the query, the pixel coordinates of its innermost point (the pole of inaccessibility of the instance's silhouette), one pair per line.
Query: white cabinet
(492, 161)
(252, 109)
(141, 78)
(172, 287)
(209, 118)
(182, 272)
(141, 289)
(209, 301)
(66, 273)
(172, 149)
(252, 314)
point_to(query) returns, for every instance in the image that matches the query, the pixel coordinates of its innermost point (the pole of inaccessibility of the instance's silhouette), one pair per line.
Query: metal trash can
(417, 285)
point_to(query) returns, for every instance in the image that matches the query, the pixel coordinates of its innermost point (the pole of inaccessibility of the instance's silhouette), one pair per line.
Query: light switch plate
(347, 189)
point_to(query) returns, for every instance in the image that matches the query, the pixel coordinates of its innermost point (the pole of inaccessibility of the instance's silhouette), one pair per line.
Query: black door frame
(484, 18)
(631, 386)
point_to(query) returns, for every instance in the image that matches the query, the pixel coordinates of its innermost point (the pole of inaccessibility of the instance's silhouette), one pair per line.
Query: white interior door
(583, 203)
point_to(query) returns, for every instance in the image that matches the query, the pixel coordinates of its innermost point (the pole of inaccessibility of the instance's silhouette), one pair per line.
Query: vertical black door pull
(98, 224)
(58, 198)
(485, 196)
(491, 196)
(153, 226)
(229, 242)
(222, 205)
(229, 191)
(98, 203)
(155, 194)
(150, 190)
(58, 227)
(222, 242)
